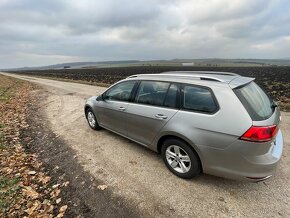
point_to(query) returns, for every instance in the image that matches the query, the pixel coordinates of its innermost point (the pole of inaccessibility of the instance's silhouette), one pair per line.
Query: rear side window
(198, 99)
(171, 97)
(256, 101)
(152, 93)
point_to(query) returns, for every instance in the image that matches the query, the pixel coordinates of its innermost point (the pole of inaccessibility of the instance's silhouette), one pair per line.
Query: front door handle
(161, 116)
(121, 109)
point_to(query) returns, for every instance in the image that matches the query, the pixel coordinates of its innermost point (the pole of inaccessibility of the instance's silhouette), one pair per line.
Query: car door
(154, 105)
(112, 110)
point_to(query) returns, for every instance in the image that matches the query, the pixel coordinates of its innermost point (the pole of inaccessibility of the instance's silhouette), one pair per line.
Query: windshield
(258, 104)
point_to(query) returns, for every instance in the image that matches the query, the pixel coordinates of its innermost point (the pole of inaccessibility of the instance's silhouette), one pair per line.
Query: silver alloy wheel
(91, 119)
(178, 159)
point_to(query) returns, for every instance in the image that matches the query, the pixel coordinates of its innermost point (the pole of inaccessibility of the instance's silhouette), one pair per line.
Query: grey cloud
(228, 10)
(109, 30)
(79, 20)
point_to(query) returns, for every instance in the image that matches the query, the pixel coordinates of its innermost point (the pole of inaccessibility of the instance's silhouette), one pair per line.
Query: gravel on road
(138, 175)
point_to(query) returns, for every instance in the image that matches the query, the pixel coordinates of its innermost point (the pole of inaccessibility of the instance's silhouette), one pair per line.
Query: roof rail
(201, 72)
(132, 76)
(187, 73)
(192, 76)
(196, 76)
(209, 79)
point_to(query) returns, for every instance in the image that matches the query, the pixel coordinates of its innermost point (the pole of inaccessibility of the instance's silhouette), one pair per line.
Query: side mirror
(100, 98)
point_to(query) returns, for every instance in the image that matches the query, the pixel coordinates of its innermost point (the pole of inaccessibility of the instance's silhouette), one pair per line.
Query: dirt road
(139, 176)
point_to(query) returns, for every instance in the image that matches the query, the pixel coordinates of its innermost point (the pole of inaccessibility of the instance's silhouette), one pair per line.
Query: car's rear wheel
(180, 158)
(92, 121)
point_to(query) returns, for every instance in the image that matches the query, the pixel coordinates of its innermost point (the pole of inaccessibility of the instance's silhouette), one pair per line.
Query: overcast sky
(42, 32)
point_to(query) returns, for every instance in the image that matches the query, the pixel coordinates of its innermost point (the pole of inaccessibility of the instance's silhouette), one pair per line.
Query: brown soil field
(275, 80)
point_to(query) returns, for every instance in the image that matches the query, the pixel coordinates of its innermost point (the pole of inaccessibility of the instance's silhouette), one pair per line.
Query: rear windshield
(258, 104)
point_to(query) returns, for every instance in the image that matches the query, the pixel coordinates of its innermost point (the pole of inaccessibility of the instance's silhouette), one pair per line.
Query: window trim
(134, 91)
(198, 111)
(167, 94)
(177, 100)
(179, 95)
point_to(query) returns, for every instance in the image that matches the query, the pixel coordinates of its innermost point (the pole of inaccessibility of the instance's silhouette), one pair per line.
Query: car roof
(232, 79)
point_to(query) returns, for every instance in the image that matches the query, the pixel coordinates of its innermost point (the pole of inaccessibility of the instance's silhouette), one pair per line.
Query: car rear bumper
(245, 161)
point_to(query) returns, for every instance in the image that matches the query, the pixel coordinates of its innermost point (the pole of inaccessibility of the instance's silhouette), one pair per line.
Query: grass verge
(9, 192)
(25, 190)
(2, 145)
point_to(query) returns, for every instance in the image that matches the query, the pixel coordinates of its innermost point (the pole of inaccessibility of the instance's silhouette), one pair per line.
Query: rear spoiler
(240, 81)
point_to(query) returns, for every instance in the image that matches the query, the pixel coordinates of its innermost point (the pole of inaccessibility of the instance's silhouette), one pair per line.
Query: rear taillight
(260, 133)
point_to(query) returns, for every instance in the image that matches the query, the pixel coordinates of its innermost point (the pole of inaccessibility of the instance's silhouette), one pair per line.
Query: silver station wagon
(217, 123)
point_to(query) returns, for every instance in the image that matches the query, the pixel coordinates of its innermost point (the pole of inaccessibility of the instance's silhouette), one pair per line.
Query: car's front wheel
(92, 121)
(180, 159)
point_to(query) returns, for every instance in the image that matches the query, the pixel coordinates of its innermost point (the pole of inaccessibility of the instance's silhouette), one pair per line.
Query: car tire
(92, 120)
(180, 158)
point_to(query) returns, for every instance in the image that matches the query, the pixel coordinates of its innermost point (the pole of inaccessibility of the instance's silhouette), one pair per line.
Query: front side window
(199, 99)
(120, 92)
(152, 93)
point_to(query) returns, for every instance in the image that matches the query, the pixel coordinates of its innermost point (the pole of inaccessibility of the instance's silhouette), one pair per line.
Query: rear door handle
(121, 109)
(161, 116)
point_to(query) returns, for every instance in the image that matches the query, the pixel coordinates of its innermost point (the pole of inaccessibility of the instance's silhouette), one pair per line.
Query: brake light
(260, 133)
